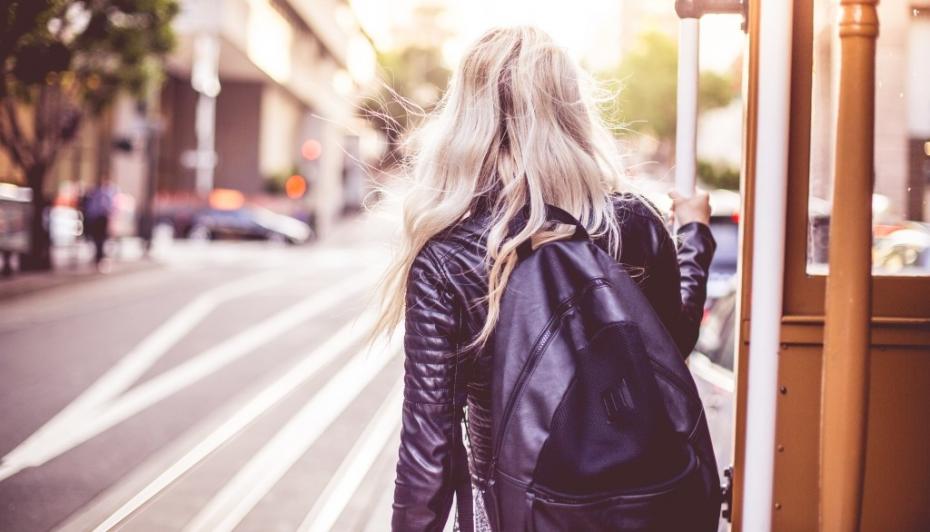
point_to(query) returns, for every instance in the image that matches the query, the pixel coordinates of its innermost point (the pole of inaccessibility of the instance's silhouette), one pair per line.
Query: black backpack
(597, 423)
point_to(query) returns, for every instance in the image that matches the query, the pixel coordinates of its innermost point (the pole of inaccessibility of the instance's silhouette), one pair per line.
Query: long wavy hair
(517, 127)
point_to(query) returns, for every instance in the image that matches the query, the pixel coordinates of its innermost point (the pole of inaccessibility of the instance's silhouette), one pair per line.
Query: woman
(516, 130)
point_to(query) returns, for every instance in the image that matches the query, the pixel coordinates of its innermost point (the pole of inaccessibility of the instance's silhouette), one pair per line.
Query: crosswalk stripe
(254, 480)
(334, 346)
(97, 420)
(352, 471)
(129, 368)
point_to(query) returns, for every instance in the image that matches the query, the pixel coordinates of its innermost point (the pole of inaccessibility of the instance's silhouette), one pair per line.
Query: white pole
(768, 235)
(686, 127)
(205, 80)
(205, 129)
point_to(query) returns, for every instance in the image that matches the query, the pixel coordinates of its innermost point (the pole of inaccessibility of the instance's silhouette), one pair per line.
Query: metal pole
(689, 30)
(768, 263)
(845, 385)
(686, 126)
(205, 127)
(205, 80)
(152, 134)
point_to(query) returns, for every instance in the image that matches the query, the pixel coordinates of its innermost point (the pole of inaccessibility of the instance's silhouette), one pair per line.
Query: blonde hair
(518, 125)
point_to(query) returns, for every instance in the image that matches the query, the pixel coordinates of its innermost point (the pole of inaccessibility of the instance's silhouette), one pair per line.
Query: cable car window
(901, 200)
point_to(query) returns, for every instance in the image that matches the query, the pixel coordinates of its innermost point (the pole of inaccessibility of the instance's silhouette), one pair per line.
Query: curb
(23, 284)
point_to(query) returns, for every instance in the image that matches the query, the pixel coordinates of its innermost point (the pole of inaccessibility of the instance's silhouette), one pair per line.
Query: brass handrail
(844, 399)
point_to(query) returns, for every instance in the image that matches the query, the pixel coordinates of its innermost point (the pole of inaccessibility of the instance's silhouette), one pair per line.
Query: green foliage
(63, 59)
(87, 49)
(718, 175)
(648, 79)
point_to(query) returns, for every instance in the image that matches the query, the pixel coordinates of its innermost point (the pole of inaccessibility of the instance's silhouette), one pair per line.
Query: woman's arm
(430, 463)
(673, 277)
(678, 281)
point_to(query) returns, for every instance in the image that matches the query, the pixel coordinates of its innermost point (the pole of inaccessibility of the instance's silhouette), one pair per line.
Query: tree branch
(71, 120)
(15, 136)
(39, 109)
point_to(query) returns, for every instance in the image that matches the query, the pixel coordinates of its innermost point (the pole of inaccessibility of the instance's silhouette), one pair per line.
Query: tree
(648, 78)
(62, 60)
(716, 174)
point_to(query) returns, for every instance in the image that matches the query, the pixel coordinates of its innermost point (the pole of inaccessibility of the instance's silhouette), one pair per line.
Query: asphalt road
(225, 389)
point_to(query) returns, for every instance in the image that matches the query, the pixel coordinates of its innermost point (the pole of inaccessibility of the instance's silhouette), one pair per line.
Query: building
(259, 90)
(256, 90)
(902, 107)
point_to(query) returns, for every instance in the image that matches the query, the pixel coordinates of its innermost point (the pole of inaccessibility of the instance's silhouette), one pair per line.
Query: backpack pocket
(611, 430)
(675, 504)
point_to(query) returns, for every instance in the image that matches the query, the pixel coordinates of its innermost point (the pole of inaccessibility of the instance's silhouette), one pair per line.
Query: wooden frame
(893, 296)
(900, 337)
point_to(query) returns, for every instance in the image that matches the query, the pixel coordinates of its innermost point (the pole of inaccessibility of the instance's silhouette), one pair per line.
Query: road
(227, 388)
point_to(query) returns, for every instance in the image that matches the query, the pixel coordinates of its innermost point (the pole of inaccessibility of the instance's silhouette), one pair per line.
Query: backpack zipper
(542, 342)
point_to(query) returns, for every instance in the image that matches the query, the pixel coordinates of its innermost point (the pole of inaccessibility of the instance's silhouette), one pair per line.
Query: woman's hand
(693, 209)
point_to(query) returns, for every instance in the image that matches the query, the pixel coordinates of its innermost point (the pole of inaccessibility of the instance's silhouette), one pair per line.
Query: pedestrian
(97, 207)
(516, 141)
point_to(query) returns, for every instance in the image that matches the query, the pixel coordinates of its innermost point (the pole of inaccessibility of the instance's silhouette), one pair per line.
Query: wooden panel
(897, 463)
(747, 209)
(797, 443)
(886, 332)
(897, 475)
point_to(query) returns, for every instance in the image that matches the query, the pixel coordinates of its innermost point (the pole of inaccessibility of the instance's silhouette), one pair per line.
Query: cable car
(832, 372)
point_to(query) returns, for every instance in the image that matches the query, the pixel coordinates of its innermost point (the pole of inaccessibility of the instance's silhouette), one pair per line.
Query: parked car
(902, 249)
(248, 222)
(718, 331)
(724, 224)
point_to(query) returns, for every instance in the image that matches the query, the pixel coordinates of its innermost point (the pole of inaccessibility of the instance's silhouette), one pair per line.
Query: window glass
(900, 206)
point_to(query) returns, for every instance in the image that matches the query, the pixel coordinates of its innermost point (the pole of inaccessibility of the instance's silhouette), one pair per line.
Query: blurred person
(516, 137)
(97, 206)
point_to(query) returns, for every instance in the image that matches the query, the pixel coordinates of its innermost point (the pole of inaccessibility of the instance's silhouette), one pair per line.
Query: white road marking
(333, 347)
(129, 368)
(97, 418)
(351, 473)
(262, 472)
(382, 510)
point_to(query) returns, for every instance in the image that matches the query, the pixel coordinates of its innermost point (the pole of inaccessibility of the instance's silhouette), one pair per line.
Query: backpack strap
(556, 214)
(559, 215)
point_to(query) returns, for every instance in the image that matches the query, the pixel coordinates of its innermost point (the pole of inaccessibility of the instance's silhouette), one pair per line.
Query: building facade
(281, 81)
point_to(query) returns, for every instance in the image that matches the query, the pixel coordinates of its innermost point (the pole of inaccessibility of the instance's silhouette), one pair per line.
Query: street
(227, 387)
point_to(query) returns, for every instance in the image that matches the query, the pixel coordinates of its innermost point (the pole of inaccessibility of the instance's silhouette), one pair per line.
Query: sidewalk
(75, 263)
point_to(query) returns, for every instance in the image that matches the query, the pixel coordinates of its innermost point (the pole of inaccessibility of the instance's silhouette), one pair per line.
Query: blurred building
(280, 82)
(286, 78)
(902, 106)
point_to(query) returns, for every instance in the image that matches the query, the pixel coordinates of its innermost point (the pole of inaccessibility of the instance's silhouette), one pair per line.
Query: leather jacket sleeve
(678, 278)
(431, 464)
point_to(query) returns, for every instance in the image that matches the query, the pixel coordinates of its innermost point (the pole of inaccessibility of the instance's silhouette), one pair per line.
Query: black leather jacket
(444, 312)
